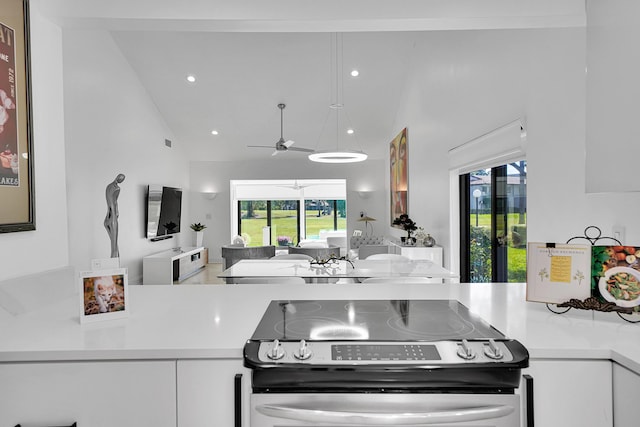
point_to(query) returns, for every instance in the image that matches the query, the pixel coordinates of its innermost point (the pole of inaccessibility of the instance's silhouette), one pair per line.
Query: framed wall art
(17, 212)
(103, 294)
(398, 160)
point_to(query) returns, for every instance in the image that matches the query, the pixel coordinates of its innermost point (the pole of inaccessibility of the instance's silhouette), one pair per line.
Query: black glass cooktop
(372, 320)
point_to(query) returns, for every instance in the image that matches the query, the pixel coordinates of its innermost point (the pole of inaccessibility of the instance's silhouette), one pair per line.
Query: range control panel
(384, 353)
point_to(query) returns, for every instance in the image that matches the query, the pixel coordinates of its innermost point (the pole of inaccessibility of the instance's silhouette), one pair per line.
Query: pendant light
(335, 108)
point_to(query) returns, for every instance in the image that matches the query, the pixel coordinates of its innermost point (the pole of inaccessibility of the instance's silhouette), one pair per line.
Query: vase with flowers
(424, 238)
(408, 225)
(420, 236)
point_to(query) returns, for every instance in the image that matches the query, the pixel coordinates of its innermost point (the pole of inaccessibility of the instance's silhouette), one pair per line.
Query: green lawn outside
(484, 220)
(517, 259)
(284, 223)
(516, 256)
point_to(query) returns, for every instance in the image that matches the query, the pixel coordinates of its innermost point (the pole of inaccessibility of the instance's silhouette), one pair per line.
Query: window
(493, 223)
(283, 212)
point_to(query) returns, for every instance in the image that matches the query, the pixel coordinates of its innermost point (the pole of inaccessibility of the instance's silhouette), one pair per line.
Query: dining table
(323, 272)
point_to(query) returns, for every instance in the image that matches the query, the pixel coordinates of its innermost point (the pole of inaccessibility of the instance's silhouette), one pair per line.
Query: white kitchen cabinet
(572, 393)
(206, 392)
(96, 394)
(626, 384)
(612, 32)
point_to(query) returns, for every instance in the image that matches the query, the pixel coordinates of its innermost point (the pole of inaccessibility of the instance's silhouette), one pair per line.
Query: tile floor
(207, 276)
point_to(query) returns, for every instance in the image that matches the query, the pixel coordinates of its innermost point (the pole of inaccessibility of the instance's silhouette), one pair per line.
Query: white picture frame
(104, 294)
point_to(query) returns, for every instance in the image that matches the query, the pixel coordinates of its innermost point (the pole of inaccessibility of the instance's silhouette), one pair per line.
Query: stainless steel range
(382, 362)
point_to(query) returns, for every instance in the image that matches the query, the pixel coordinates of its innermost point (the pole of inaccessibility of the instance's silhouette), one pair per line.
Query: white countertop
(39, 320)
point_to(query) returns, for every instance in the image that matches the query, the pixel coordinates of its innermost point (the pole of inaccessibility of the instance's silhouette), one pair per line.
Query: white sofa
(369, 245)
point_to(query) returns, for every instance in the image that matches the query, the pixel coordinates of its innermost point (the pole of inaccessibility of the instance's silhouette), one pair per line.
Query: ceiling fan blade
(260, 146)
(288, 143)
(274, 153)
(306, 150)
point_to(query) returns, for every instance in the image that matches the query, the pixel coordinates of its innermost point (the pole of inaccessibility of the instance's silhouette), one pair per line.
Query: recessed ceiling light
(355, 73)
(350, 131)
(214, 132)
(191, 78)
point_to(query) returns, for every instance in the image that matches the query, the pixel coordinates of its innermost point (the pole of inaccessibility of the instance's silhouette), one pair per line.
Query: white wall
(215, 176)
(484, 80)
(47, 247)
(112, 127)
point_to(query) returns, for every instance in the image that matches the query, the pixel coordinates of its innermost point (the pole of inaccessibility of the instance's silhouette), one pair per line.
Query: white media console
(173, 265)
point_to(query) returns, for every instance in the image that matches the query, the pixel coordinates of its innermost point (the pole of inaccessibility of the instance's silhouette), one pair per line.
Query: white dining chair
(338, 241)
(271, 280)
(293, 256)
(394, 257)
(366, 250)
(404, 280)
(313, 244)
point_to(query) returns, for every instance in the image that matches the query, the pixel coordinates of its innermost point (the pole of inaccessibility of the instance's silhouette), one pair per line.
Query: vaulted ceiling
(249, 56)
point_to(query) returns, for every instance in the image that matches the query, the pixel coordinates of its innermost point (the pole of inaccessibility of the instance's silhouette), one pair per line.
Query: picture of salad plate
(621, 286)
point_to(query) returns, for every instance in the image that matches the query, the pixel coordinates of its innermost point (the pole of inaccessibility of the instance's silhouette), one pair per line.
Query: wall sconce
(364, 194)
(209, 195)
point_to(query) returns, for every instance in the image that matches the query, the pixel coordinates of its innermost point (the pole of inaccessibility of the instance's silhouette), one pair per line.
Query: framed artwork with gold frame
(17, 210)
(398, 161)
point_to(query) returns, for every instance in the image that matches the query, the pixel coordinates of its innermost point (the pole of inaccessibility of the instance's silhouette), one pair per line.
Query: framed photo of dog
(16, 151)
(104, 295)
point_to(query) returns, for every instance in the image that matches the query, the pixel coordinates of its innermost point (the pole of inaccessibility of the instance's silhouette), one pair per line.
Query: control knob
(464, 351)
(276, 352)
(303, 352)
(493, 351)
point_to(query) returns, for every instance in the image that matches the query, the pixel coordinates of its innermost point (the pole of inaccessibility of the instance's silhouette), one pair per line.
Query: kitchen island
(176, 337)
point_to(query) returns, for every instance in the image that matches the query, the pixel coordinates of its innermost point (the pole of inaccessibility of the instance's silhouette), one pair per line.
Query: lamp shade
(367, 219)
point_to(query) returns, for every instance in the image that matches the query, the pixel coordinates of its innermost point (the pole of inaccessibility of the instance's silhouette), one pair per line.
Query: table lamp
(367, 220)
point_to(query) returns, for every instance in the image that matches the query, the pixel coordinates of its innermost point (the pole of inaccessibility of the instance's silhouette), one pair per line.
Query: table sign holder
(594, 235)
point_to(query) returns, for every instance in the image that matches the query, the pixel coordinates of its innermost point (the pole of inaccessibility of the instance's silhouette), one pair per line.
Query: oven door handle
(332, 416)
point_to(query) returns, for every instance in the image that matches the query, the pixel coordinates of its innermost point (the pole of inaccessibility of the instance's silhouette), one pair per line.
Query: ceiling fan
(297, 186)
(281, 144)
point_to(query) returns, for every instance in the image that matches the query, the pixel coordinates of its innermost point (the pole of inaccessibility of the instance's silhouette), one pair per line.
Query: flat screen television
(164, 208)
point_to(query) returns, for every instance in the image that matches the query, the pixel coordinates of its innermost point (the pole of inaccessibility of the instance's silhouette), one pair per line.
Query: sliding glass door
(252, 218)
(324, 215)
(283, 220)
(493, 224)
